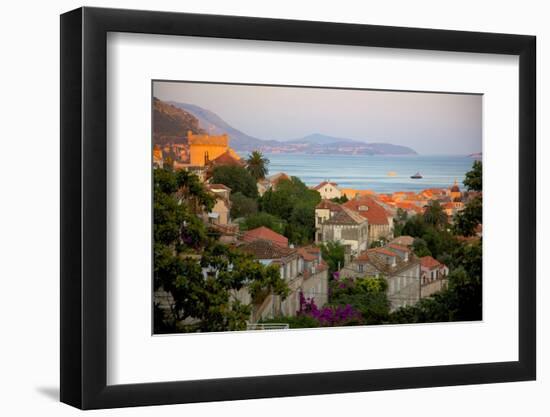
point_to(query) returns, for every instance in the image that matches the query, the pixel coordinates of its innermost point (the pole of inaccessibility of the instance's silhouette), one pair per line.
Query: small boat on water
(416, 176)
(392, 174)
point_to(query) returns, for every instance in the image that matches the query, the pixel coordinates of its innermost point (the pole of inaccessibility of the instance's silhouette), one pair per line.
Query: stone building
(380, 221)
(220, 212)
(302, 269)
(264, 233)
(328, 190)
(434, 276)
(336, 223)
(204, 148)
(397, 265)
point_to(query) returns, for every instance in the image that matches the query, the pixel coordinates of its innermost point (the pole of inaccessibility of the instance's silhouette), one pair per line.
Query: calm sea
(371, 172)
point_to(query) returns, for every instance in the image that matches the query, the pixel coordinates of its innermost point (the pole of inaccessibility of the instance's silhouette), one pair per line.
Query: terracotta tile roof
(276, 178)
(265, 233)
(384, 198)
(352, 193)
(321, 185)
(375, 214)
(265, 249)
(363, 257)
(429, 262)
(383, 251)
(312, 249)
(399, 247)
(377, 258)
(345, 217)
(329, 205)
(309, 257)
(226, 158)
(403, 240)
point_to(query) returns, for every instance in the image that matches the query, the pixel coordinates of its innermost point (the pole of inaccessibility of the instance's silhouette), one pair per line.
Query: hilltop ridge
(175, 115)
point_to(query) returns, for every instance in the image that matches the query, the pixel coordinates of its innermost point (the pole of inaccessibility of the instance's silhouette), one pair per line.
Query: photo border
(84, 207)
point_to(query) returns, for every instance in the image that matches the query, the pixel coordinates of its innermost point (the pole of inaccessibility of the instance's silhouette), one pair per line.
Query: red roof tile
(375, 214)
(325, 183)
(266, 249)
(226, 159)
(329, 205)
(265, 234)
(399, 247)
(306, 255)
(429, 262)
(383, 251)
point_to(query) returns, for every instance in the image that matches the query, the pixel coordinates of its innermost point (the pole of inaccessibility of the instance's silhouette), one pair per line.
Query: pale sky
(430, 123)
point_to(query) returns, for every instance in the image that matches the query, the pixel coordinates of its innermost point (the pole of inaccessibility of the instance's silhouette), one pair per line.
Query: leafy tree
(264, 219)
(366, 295)
(466, 221)
(399, 221)
(340, 200)
(237, 178)
(333, 254)
(256, 164)
(474, 177)
(242, 206)
(415, 226)
(430, 240)
(461, 301)
(294, 202)
(201, 275)
(420, 248)
(301, 225)
(435, 215)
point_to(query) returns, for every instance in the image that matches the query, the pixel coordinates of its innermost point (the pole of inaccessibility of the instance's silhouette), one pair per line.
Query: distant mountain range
(316, 143)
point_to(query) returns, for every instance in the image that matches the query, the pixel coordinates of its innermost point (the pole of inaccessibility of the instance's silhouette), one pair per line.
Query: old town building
(204, 148)
(302, 269)
(433, 276)
(398, 265)
(328, 190)
(380, 221)
(336, 223)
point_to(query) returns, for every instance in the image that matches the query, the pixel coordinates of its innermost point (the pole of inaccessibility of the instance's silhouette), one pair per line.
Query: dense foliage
(462, 299)
(474, 177)
(466, 221)
(237, 178)
(333, 254)
(293, 202)
(329, 315)
(264, 219)
(366, 295)
(200, 275)
(242, 206)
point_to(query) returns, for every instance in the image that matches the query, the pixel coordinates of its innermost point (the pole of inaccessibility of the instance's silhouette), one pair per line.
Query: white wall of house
(329, 191)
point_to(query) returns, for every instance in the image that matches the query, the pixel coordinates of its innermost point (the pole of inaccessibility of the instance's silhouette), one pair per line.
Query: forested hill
(170, 124)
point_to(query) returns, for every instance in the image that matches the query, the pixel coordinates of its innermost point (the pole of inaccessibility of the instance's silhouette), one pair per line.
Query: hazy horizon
(429, 123)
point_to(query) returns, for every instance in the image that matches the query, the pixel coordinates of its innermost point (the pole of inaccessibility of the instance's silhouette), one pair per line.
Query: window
(361, 267)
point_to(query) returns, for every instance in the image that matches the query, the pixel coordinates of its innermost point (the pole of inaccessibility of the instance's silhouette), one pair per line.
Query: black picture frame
(84, 207)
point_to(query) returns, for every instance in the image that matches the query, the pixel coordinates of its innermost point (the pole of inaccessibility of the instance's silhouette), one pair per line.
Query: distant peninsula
(315, 143)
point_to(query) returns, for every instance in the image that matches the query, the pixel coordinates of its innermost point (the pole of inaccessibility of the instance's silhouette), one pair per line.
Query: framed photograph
(257, 208)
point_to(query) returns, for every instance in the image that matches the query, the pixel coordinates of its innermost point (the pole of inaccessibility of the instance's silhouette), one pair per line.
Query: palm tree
(256, 164)
(434, 214)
